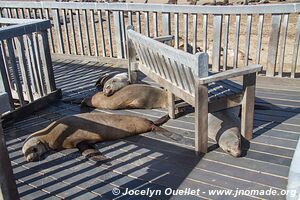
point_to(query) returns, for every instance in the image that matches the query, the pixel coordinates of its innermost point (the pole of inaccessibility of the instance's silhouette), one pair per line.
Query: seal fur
(131, 96)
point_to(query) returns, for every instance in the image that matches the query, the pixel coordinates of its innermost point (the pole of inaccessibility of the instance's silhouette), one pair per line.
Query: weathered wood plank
(176, 27)
(147, 22)
(204, 27)
(14, 67)
(57, 27)
(283, 35)
(237, 39)
(155, 24)
(47, 15)
(216, 51)
(107, 13)
(102, 33)
(225, 48)
(195, 24)
(186, 32)
(273, 45)
(87, 34)
(74, 40)
(118, 34)
(296, 49)
(78, 20)
(247, 43)
(259, 38)
(67, 39)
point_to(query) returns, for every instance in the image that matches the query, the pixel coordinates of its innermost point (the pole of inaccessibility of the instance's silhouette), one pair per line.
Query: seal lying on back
(82, 130)
(131, 96)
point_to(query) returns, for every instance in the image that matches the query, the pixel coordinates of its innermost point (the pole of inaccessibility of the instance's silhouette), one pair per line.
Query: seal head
(231, 142)
(116, 83)
(33, 149)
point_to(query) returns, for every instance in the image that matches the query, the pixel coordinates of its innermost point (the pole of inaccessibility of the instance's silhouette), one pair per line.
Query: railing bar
(39, 61)
(216, 51)
(130, 18)
(49, 31)
(5, 60)
(237, 37)
(57, 27)
(46, 62)
(67, 39)
(147, 26)
(155, 24)
(5, 76)
(259, 38)
(138, 22)
(176, 27)
(195, 23)
(102, 33)
(186, 31)
(248, 35)
(25, 77)
(284, 28)
(124, 36)
(86, 26)
(94, 32)
(273, 45)
(22, 13)
(225, 48)
(204, 27)
(79, 32)
(15, 71)
(296, 49)
(33, 56)
(118, 33)
(109, 33)
(73, 31)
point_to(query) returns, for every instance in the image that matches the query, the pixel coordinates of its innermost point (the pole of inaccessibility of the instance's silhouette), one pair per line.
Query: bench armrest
(165, 38)
(230, 74)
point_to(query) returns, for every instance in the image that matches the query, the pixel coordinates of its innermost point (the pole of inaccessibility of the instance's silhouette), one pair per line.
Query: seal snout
(33, 149)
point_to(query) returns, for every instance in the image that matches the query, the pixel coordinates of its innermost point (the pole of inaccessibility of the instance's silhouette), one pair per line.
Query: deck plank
(152, 160)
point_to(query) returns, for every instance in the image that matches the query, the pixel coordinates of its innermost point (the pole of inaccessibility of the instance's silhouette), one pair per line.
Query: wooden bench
(186, 76)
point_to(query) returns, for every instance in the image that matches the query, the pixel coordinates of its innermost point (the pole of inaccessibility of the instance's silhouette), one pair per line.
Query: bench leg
(247, 114)
(171, 105)
(201, 119)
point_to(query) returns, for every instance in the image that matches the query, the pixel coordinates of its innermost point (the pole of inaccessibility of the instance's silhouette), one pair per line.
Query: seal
(82, 130)
(131, 96)
(224, 128)
(110, 84)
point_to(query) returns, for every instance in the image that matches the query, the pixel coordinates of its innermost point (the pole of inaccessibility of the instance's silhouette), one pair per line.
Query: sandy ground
(253, 44)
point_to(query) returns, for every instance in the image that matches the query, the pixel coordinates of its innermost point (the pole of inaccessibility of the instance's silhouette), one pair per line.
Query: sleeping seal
(109, 84)
(131, 96)
(82, 130)
(224, 128)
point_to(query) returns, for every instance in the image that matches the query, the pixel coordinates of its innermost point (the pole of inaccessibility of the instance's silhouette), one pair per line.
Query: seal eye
(34, 150)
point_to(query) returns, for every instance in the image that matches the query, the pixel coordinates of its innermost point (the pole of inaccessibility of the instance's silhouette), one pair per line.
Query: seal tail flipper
(161, 120)
(89, 152)
(173, 136)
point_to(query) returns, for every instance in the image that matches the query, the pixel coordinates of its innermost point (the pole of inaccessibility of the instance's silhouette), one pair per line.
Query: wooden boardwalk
(150, 160)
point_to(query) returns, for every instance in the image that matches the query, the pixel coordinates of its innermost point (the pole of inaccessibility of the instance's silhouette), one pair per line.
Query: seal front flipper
(88, 151)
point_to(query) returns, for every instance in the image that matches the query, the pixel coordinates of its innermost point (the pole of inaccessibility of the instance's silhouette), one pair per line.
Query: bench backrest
(172, 68)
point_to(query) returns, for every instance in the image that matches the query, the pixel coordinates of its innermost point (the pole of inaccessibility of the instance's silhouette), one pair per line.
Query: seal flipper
(88, 151)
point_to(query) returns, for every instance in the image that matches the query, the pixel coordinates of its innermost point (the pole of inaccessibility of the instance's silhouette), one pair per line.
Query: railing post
(8, 189)
(118, 34)
(166, 24)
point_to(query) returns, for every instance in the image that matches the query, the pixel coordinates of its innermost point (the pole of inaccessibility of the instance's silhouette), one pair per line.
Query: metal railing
(234, 36)
(25, 60)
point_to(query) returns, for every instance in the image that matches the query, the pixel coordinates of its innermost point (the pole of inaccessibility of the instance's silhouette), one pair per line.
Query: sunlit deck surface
(151, 160)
